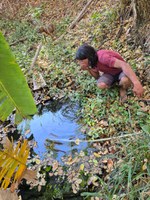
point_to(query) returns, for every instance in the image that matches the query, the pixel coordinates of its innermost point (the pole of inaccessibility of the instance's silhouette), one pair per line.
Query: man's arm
(126, 68)
(94, 74)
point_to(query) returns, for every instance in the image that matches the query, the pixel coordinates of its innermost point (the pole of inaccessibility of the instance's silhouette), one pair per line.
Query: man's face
(83, 63)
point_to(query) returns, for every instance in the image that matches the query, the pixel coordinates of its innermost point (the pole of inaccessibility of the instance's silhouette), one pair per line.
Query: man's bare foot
(123, 95)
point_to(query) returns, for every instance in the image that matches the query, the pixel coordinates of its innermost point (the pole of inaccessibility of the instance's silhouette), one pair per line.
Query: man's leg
(124, 83)
(105, 81)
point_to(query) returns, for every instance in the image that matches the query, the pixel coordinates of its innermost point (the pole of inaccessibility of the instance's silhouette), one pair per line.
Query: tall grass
(130, 179)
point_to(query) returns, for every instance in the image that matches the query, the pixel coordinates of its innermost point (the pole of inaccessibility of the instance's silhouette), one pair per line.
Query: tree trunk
(142, 9)
(141, 23)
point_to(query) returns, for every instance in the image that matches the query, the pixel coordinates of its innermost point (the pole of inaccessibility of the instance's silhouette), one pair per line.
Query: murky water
(54, 123)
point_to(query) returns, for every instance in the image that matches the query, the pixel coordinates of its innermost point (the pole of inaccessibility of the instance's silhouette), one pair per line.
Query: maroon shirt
(106, 60)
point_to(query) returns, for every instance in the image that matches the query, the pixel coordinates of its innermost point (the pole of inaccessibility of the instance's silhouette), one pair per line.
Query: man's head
(86, 56)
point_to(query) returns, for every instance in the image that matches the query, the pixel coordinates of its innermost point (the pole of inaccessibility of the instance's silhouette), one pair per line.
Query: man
(114, 69)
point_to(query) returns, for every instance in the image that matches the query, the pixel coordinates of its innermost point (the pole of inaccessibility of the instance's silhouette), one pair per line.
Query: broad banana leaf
(14, 90)
(13, 162)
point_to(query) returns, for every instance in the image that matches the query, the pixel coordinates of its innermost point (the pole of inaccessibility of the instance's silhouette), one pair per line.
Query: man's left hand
(138, 89)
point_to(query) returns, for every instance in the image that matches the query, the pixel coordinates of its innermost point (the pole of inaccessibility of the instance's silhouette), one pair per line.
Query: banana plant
(14, 95)
(14, 90)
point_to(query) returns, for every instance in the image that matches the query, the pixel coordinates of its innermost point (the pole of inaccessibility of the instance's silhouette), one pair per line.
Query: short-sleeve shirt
(106, 60)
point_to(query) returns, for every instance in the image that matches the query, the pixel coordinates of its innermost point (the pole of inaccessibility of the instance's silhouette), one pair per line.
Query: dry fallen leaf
(71, 161)
(27, 132)
(29, 175)
(103, 123)
(60, 171)
(78, 181)
(7, 195)
(39, 188)
(144, 167)
(92, 180)
(104, 161)
(7, 144)
(55, 166)
(38, 81)
(37, 161)
(97, 155)
(74, 189)
(110, 164)
(51, 174)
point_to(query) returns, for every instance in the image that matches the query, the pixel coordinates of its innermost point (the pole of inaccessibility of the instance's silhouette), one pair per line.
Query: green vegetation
(12, 86)
(121, 173)
(130, 178)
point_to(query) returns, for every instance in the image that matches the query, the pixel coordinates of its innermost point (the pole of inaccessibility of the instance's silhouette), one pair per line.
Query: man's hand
(93, 73)
(84, 64)
(126, 68)
(84, 68)
(138, 89)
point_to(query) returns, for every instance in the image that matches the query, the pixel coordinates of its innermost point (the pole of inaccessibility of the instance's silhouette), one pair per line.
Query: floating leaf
(77, 141)
(37, 161)
(82, 167)
(97, 155)
(71, 161)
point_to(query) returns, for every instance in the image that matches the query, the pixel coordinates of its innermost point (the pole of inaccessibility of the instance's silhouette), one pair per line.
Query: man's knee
(125, 82)
(102, 85)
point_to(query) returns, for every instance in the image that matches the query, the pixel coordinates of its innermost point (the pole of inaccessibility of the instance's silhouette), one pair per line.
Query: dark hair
(86, 51)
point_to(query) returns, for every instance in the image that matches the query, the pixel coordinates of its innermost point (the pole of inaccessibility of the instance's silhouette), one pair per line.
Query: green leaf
(146, 128)
(14, 90)
(90, 194)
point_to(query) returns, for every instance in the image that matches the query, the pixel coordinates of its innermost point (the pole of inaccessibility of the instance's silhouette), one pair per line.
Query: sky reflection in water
(54, 124)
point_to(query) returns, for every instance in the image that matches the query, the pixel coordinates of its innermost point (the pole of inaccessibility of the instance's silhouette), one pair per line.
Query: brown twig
(79, 17)
(99, 140)
(16, 42)
(35, 57)
(145, 100)
(81, 14)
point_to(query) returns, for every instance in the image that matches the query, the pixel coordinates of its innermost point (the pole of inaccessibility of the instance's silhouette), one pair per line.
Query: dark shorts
(110, 79)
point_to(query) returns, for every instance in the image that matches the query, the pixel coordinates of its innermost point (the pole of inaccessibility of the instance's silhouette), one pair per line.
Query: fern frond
(13, 162)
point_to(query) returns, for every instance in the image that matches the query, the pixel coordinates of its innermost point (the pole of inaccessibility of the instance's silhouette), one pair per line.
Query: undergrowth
(101, 112)
(130, 178)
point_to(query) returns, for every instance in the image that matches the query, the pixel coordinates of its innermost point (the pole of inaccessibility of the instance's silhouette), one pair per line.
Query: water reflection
(54, 123)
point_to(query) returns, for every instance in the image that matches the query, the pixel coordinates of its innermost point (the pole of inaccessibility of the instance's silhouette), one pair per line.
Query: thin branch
(79, 17)
(35, 57)
(97, 140)
(81, 14)
(145, 100)
(16, 42)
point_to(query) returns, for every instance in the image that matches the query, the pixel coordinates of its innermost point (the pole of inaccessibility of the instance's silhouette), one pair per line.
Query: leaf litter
(103, 160)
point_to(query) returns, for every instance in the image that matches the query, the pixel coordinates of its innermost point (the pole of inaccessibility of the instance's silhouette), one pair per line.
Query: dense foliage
(118, 169)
